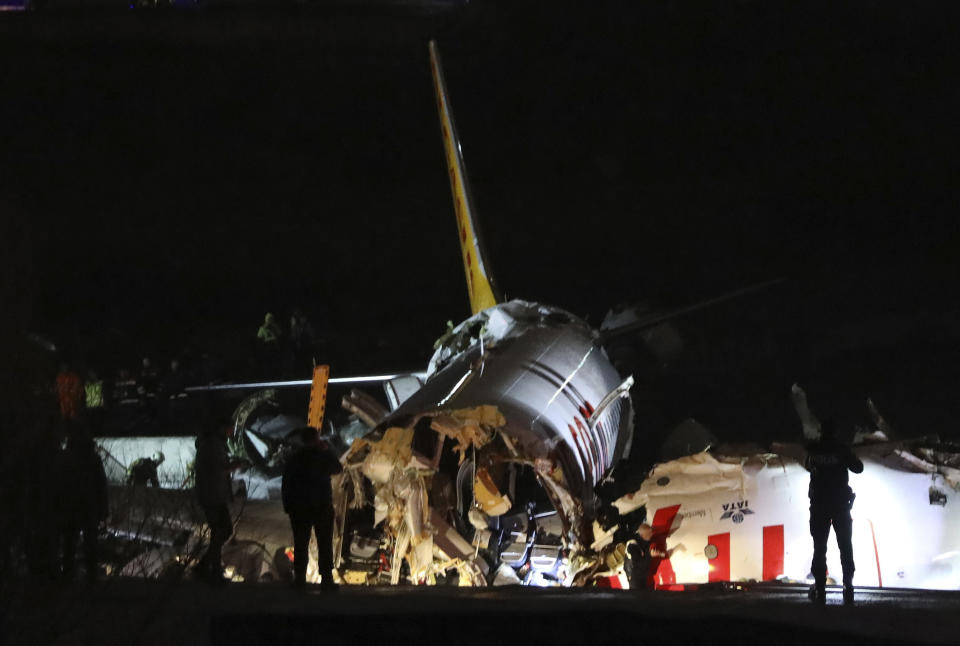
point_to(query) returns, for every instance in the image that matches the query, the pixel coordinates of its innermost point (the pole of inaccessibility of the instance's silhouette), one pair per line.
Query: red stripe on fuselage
(772, 552)
(720, 566)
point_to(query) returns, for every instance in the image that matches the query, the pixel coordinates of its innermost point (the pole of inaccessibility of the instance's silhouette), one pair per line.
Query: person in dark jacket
(831, 499)
(143, 471)
(306, 495)
(82, 501)
(637, 567)
(214, 491)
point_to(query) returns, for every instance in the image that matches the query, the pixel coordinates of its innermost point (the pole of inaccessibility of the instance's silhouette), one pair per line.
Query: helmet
(158, 457)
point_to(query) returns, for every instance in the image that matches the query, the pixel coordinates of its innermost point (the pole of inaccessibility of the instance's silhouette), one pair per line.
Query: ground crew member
(831, 499)
(82, 502)
(306, 495)
(214, 492)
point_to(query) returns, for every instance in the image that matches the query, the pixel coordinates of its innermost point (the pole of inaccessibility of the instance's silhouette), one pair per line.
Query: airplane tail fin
(480, 284)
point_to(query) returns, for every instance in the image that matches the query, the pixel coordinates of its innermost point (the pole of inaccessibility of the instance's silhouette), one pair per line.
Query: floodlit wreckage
(484, 475)
(439, 497)
(487, 472)
(484, 470)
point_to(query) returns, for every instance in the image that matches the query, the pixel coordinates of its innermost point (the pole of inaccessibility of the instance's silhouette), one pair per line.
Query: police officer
(306, 495)
(831, 499)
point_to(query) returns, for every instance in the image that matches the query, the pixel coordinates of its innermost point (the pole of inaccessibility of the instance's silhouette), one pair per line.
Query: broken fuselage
(521, 417)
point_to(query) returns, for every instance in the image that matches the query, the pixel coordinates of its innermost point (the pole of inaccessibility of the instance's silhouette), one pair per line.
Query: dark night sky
(173, 176)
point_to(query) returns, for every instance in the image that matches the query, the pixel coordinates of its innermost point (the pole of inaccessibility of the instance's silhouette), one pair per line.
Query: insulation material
(385, 455)
(488, 497)
(469, 427)
(420, 541)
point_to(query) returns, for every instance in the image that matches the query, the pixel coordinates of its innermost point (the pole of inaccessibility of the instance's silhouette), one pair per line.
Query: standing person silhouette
(306, 495)
(214, 492)
(828, 460)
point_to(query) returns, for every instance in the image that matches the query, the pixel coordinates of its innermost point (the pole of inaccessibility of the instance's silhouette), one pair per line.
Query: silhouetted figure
(40, 474)
(306, 497)
(214, 491)
(831, 499)
(301, 333)
(82, 501)
(637, 567)
(300, 344)
(70, 393)
(143, 471)
(147, 385)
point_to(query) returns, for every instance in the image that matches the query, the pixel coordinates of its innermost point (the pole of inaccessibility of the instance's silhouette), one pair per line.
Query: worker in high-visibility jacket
(93, 397)
(69, 389)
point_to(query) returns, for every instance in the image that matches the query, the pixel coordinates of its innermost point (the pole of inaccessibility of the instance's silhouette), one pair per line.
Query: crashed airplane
(485, 473)
(483, 469)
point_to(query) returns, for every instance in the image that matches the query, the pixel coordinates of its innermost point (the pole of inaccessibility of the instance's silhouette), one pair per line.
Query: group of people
(305, 491)
(281, 349)
(306, 496)
(86, 399)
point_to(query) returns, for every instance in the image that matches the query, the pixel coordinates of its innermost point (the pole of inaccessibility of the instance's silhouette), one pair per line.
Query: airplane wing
(304, 382)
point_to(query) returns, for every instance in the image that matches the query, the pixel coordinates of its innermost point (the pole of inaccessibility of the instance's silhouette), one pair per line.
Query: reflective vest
(94, 393)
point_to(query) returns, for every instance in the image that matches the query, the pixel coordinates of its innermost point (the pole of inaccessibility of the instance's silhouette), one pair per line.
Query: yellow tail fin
(480, 285)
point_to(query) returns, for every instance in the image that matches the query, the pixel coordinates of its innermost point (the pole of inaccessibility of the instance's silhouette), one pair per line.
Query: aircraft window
(663, 482)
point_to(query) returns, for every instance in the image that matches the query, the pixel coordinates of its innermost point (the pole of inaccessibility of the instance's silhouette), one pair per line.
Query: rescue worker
(82, 502)
(93, 391)
(831, 499)
(268, 345)
(69, 388)
(214, 492)
(144, 471)
(269, 332)
(306, 495)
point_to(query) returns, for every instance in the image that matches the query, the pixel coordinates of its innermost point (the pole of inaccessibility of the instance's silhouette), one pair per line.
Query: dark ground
(148, 612)
(167, 177)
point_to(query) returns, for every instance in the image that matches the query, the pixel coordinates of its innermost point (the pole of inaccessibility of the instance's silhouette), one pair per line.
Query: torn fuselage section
(485, 475)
